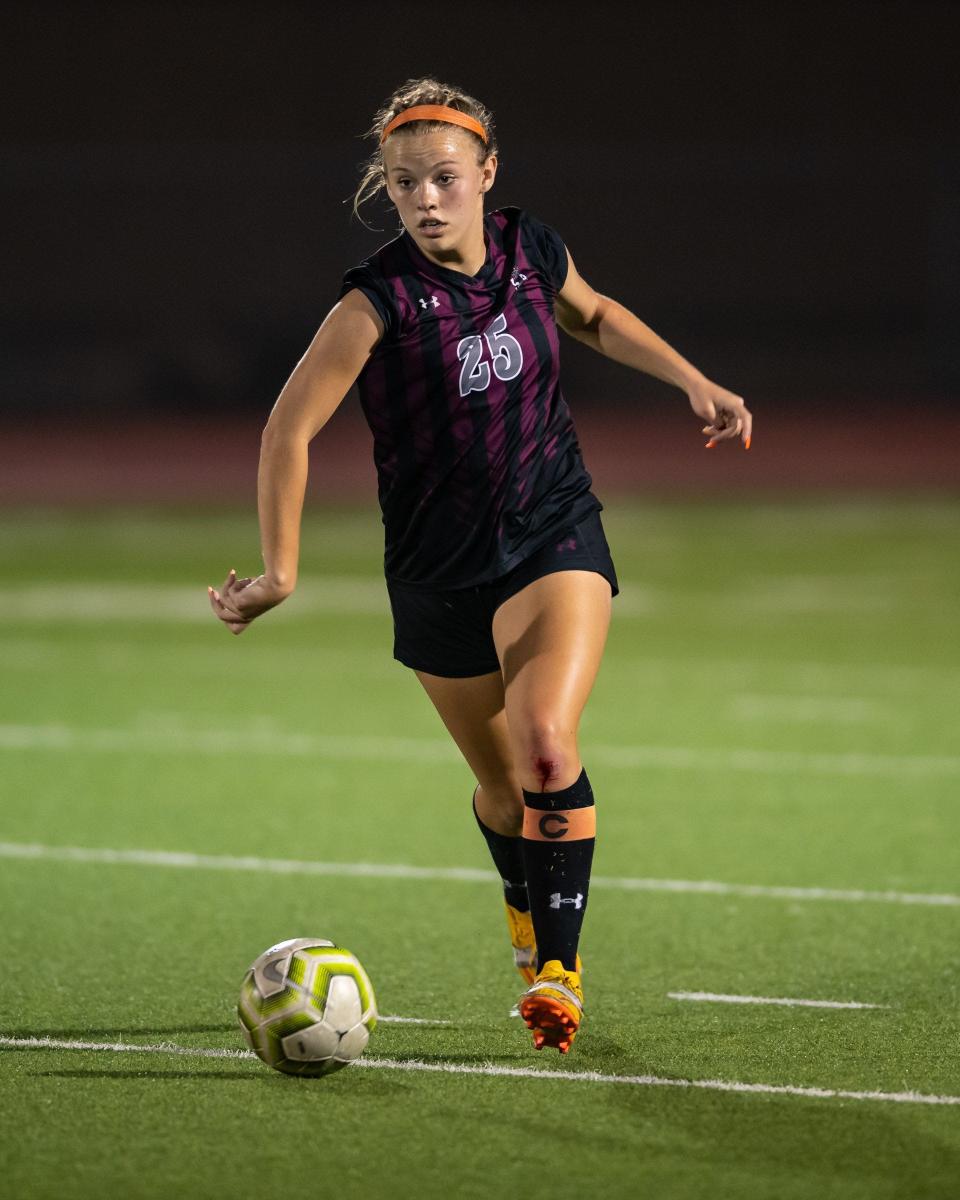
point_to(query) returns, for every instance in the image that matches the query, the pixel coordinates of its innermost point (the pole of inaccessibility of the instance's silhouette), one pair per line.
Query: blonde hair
(408, 95)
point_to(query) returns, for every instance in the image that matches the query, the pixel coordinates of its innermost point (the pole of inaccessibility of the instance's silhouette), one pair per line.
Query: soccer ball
(306, 1007)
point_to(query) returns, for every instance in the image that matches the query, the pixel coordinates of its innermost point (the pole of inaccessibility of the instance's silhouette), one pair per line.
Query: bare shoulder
(355, 312)
(577, 303)
(347, 337)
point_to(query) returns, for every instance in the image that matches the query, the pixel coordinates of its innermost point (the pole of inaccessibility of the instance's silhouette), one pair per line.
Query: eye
(446, 178)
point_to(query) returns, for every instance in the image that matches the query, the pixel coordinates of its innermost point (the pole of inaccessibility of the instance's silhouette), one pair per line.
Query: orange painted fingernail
(746, 444)
(711, 444)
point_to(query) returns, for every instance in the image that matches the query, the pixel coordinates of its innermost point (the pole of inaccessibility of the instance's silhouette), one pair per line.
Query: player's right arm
(612, 330)
(310, 397)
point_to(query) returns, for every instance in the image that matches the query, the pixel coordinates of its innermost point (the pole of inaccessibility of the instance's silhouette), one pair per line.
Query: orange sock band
(435, 112)
(560, 825)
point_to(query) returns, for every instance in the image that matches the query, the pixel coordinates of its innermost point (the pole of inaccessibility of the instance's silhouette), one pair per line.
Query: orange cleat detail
(553, 1007)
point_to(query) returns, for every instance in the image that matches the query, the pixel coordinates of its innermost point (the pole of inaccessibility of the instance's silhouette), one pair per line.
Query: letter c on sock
(558, 822)
(568, 824)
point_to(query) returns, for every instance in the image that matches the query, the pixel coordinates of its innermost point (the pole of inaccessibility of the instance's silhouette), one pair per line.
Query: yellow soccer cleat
(553, 1006)
(524, 942)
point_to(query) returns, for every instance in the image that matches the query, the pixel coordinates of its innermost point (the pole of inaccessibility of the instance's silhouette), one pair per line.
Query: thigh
(473, 712)
(550, 638)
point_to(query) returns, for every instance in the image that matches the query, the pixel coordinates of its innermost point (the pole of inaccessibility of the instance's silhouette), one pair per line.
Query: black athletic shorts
(450, 632)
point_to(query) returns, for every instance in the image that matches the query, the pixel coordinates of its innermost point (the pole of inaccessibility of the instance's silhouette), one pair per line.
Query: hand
(726, 413)
(241, 601)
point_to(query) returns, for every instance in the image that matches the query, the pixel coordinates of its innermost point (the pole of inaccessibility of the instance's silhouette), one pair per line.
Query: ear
(488, 173)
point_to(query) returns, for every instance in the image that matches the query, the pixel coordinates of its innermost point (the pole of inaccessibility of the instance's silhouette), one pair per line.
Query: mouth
(431, 227)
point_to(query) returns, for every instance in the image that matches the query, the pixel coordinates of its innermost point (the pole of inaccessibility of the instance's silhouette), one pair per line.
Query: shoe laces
(555, 972)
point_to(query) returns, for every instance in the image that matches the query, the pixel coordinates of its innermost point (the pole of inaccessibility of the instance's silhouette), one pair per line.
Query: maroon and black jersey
(476, 454)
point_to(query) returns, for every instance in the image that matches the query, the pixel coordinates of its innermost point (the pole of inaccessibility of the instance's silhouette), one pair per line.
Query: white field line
(789, 1002)
(846, 710)
(258, 739)
(185, 860)
(794, 594)
(335, 595)
(83, 601)
(48, 1043)
(489, 1069)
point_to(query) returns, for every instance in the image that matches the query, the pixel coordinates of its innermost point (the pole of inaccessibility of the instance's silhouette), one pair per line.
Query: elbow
(279, 434)
(270, 435)
(602, 310)
(584, 325)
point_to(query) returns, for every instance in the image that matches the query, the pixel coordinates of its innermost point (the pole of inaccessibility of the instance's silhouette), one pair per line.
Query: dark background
(772, 187)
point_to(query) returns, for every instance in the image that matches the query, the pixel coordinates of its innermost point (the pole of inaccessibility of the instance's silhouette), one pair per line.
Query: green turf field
(776, 718)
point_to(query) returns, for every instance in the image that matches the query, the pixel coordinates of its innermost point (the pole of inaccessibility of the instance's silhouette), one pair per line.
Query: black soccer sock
(507, 855)
(559, 832)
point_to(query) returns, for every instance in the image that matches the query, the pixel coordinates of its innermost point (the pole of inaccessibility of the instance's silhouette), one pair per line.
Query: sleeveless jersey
(477, 459)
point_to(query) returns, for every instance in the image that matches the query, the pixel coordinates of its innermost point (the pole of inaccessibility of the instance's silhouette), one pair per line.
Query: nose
(426, 197)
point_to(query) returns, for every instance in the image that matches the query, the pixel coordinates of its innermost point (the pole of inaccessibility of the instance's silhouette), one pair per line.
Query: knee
(547, 753)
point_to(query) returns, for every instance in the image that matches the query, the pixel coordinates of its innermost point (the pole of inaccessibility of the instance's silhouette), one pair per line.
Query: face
(438, 186)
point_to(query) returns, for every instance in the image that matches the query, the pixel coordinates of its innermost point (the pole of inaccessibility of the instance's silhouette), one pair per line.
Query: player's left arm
(614, 331)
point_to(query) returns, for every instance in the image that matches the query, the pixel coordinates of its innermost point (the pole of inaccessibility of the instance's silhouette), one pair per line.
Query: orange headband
(435, 112)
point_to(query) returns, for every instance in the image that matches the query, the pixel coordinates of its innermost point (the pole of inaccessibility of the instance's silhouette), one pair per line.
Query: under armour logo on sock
(556, 900)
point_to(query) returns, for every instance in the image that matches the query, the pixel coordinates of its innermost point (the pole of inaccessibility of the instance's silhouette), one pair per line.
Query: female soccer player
(498, 571)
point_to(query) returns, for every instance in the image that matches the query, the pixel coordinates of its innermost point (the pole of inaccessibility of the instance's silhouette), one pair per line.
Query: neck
(467, 257)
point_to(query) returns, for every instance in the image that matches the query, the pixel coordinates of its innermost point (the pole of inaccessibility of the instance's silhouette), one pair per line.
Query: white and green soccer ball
(307, 1007)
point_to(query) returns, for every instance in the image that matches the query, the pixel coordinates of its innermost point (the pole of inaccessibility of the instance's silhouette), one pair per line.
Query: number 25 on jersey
(506, 357)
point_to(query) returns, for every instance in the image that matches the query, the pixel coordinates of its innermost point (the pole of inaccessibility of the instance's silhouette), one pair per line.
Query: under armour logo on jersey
(517, 278)
(556, 900)
(432, 301)
(569, 544)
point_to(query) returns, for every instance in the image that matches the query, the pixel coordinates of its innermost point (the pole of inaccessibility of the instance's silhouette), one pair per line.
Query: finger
(225, 612)
(216, 603)
(747, 428)
(729, 431)
(234, 589)
(229, 603)
(233, 621)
